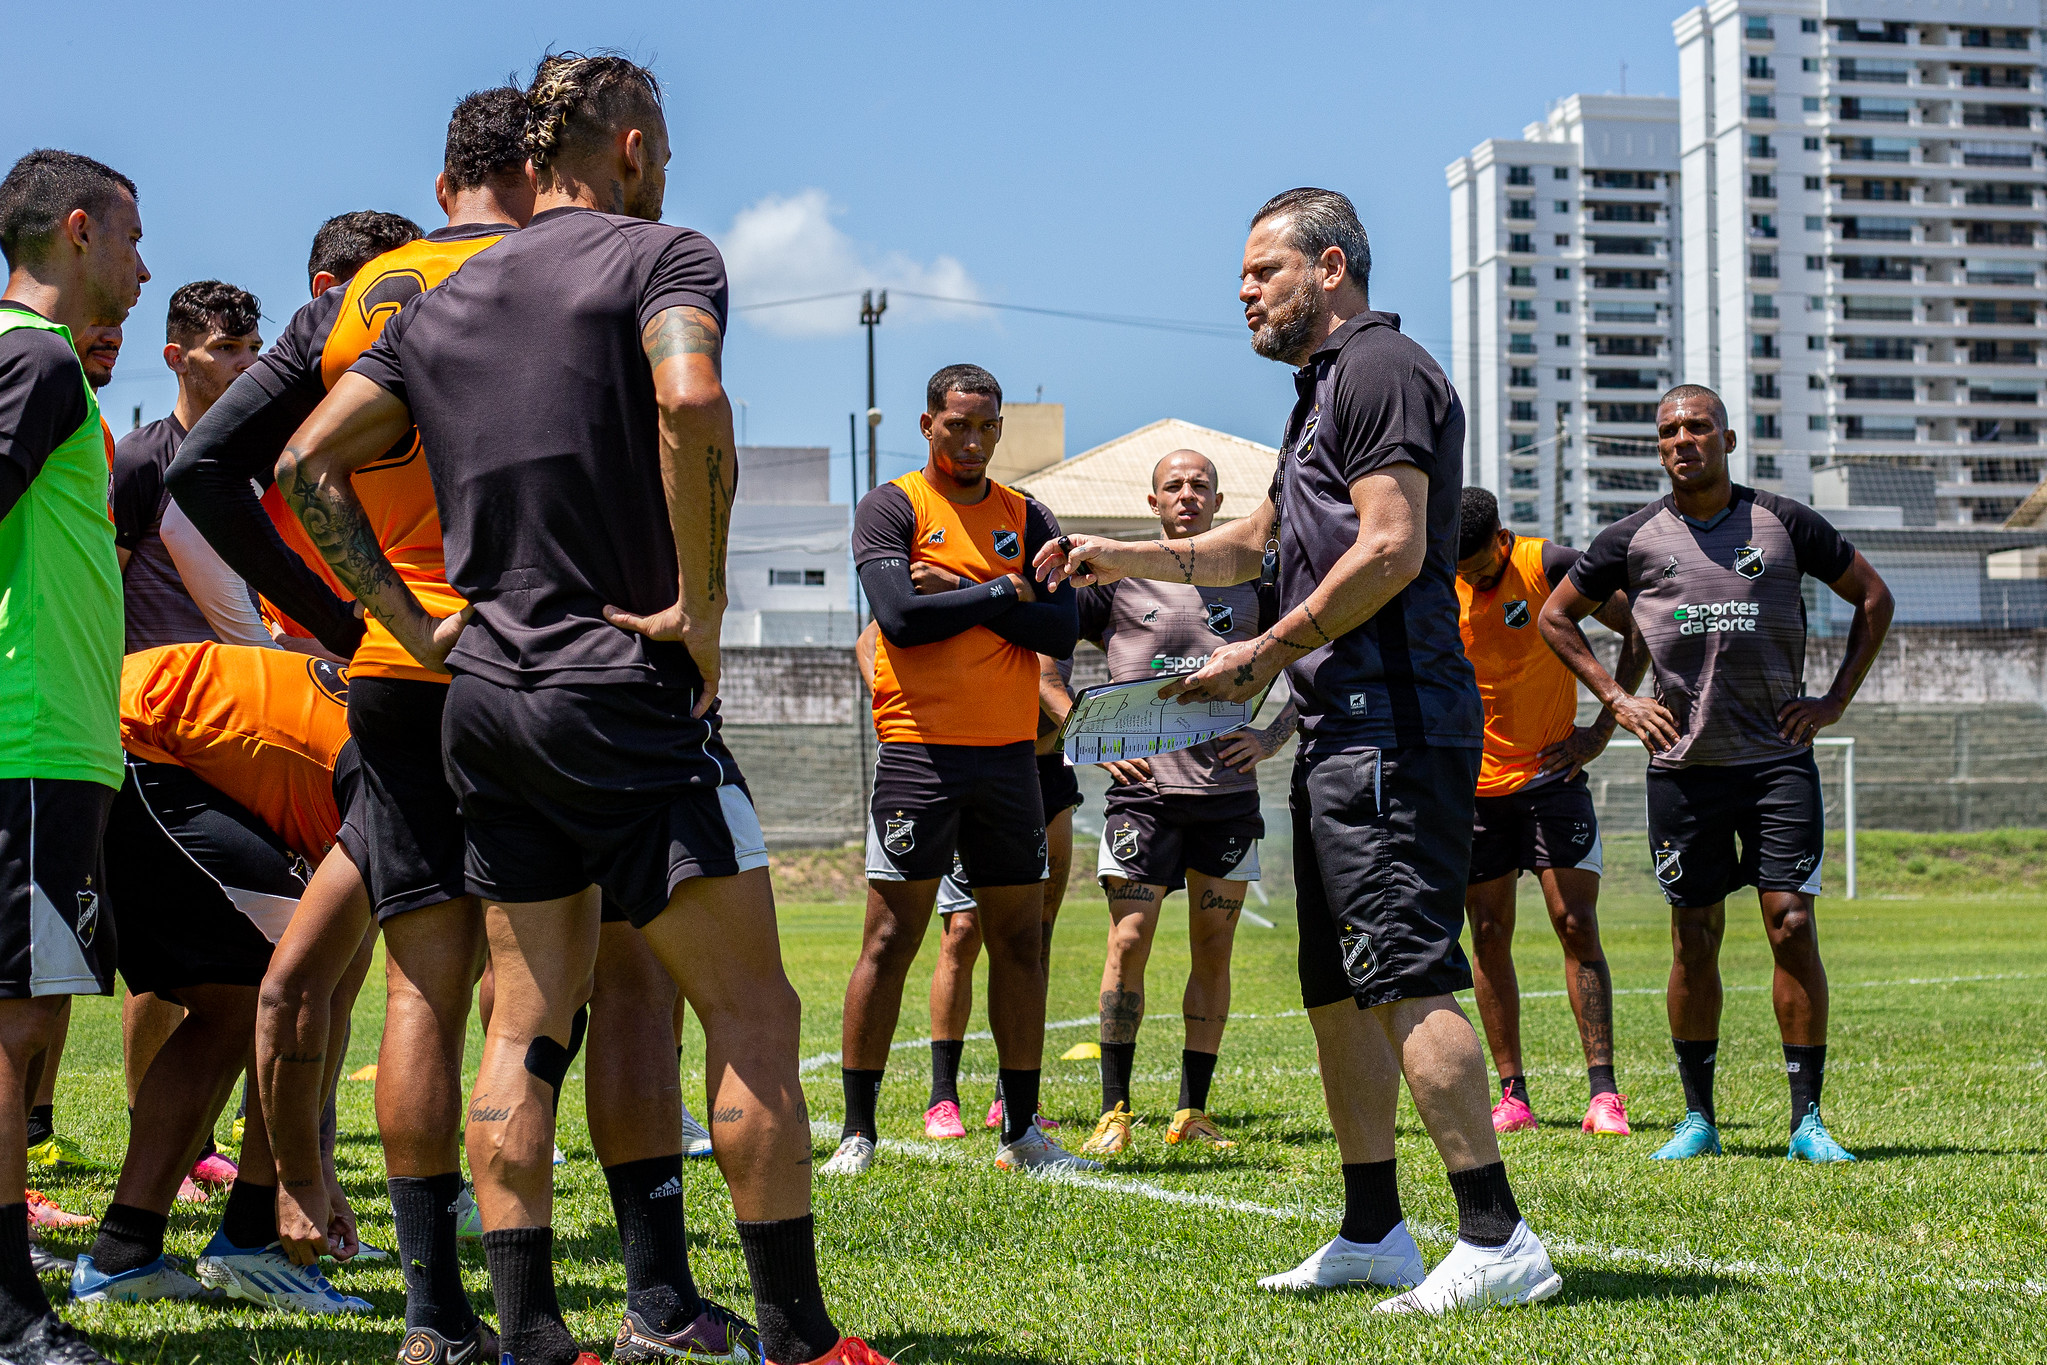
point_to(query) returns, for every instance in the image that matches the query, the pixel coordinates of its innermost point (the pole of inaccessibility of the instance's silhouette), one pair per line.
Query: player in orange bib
(941, 553)
(239, 767)
(1534, 805)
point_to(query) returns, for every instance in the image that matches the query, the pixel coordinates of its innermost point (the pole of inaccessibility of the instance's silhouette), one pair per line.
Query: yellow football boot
(1112, 1132)
(1194, 1125)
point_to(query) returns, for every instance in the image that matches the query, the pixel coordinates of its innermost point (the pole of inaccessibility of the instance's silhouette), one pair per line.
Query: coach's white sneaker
(1037, 1154)
(855, 1155)
(1393, 1260)
(1482, 1277)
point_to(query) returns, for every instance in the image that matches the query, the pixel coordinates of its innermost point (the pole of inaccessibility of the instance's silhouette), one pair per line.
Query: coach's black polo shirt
(1370, 398)
(535, 407)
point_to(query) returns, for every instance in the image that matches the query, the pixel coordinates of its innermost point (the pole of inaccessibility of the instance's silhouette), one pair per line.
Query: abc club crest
(88, 921)
(1668, 868)
(1748, 562)
(1516, 614)
(1006, 543)
(1221, 617)
(899, 836)
(1123, 844)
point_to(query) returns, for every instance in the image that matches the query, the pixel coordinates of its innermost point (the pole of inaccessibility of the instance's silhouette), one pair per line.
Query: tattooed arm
(699, 474)
(1392, 506)
(357, 422)
(1246, 749)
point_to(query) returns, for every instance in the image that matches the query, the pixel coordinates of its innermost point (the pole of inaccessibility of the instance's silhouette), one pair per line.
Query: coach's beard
(1290, 325)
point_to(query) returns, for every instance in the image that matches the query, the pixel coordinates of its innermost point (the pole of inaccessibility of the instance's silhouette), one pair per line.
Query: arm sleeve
(1050, 625)
(687, 272)
(219, 591)
(225, 460)
(1557, 561)
(1386, 418)
(1823, 552)
(137, 492)
(908, 619)
(1602, 570)
(1095, 603)
(42, 401)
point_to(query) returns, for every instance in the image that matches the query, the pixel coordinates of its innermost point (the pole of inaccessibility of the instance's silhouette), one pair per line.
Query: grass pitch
(1931, 1248)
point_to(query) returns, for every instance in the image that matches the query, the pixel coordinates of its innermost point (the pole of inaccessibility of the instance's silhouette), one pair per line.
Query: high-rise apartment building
(1565, 247)
(1863, 184)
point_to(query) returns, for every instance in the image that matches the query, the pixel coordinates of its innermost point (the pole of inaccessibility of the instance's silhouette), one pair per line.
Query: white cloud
(788, 247)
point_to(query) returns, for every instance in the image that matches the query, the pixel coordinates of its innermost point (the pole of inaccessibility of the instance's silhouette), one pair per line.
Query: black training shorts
(931, 800)
(1382, 853)
(201, 888)
(56, 930)
(404, 832)
(1697, 813)
(1547, 824)
(1157, 837)
(612, 784)
(1058, 786)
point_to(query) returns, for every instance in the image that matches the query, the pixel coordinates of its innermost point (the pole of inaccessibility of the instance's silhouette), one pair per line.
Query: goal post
(1846, 744)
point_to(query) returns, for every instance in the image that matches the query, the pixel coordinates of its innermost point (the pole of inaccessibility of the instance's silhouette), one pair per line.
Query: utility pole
(853, 497)
(871, 309)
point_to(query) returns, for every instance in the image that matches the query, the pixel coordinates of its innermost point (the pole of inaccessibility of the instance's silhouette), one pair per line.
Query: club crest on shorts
(1748, 561)
(88, 922)
(1515, 613)
(1006, 542)
(899, 836)
(1668, 869)
(1221, 617)
(1123, 844)
(959, 869)
(1357, 958)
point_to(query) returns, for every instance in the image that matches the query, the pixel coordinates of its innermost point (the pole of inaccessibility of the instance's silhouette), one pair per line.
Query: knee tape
(549, 1060)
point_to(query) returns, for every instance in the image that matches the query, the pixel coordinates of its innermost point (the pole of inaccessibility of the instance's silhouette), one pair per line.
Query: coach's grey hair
(1318, 220)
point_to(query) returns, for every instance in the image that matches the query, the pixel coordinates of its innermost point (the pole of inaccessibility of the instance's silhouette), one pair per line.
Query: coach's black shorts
(612, 784)
(1058, 786)
(1549, 824)
(1157, 837)
(981, 801)
(1697, 813)
(404, 832)
(201, 888)
(1382, 853)
(56, 929)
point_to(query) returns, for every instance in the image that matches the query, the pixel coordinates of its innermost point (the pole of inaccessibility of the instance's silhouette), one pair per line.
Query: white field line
(814, 1064)
(1679, 1260)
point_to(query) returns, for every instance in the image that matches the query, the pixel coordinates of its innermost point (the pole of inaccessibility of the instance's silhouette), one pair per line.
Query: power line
(1214, 329)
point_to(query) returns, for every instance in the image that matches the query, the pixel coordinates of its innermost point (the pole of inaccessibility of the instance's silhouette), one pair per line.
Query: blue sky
(1099, 158)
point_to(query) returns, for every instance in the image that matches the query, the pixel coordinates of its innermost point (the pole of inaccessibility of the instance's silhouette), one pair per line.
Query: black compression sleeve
(235, 443)
(1050, 627)
(908, 619)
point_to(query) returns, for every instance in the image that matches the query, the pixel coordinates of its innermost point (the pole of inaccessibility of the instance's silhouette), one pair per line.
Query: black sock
(646, 1199)
(1601, 1080)
(1117, 1060)
(1695, 1068)
(1019, 1103)
(788, 1302)
(250, 1218)
(1517, 1086)
(530, 1325)
(1806, 1069)
(945, 1069)
(128, 1238)
(423, 1208)
(863, 1089)
(42, 1124)
(1486, 1211)
(1371, 1201)
(22, 1301)
(1197, 1069)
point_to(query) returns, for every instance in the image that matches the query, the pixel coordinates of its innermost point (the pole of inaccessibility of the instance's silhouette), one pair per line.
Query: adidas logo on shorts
(666, 1189)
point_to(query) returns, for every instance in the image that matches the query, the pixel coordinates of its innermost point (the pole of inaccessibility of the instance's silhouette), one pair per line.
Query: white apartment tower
(1565, 326)
(1863, 184)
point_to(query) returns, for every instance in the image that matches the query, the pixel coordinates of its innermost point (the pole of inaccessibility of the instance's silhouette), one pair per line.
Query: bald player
(1182, 820)
(1534, 809)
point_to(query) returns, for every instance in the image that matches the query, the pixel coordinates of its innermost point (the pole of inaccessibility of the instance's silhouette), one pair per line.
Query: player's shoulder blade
(387, 284)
